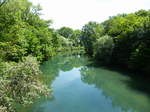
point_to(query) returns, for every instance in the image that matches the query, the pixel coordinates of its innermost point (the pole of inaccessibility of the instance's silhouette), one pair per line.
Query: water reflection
(78, 87)
(114, 85)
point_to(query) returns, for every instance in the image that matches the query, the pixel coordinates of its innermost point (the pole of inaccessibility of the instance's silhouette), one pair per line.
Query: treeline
(22, 33)
(122, 40)
(26, 40)
(68, 38)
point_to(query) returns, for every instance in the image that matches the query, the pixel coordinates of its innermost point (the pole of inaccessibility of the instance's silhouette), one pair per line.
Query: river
(79, 85)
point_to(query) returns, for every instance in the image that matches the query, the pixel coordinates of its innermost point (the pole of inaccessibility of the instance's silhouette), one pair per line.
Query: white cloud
(76, 13)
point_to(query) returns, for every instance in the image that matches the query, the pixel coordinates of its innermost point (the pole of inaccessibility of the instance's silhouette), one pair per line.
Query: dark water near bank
(80, 86)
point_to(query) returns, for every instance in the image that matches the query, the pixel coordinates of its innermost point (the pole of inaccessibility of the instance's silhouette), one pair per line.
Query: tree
(103, 49)
(24, 32)
(66, 32)
(76, 38)
(89, 34)
(130, 34)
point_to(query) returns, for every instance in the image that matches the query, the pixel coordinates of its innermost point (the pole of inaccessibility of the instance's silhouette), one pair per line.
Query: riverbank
(71, 48)
(20, 84)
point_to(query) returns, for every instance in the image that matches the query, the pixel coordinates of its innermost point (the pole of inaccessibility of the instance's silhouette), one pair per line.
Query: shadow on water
(140, 84)
(138, 81)
(127, 89)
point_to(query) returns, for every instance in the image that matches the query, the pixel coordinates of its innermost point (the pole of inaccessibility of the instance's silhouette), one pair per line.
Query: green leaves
(21, 84)
(24, 31)
(103, 49)
(128, 40)
(66, 32)
(89, 34)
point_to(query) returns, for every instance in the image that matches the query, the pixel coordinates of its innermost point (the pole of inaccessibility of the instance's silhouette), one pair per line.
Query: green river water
(79, 85)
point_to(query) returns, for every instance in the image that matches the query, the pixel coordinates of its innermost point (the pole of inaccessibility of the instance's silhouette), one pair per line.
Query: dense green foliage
(66, 32)
(72, 35)
(130, 34)
(22, 32)
(90, 33)
(103, 49)
(20, 84)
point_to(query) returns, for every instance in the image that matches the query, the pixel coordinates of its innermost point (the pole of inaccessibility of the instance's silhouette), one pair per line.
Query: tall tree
(66, 32)
(89, 34)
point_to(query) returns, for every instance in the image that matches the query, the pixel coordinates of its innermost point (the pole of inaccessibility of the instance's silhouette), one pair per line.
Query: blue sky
(76, 13)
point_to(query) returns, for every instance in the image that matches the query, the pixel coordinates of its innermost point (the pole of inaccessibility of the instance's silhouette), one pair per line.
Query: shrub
(21, 84)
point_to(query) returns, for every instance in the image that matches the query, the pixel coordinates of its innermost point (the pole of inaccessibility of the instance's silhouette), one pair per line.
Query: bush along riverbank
(20, 84)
